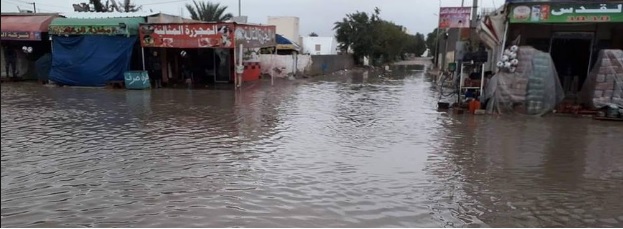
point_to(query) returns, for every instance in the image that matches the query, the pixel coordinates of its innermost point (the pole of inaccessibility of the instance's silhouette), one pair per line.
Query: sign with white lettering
(31, 36)
(136, 80)
(255, 36)
(566, 13)
(187, 35)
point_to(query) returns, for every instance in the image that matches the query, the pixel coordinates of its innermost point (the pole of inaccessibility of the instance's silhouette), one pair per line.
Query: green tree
(313, 34)
(380, 40)
(358, 31)
(208, 11)
(431, 42)
(99, 6)
(127, 6)
(108, 6)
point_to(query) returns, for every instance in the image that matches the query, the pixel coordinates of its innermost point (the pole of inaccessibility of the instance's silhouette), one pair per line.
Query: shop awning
(95, 26)
(25, 27)
(285, 43)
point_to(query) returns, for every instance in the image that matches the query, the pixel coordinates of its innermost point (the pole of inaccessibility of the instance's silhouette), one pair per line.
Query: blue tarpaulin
(90, 60)
(281, 40)
(284, 43)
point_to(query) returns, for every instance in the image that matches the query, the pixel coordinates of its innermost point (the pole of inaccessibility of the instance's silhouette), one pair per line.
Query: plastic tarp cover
(90, 60)
(533, 89)
(604, 85)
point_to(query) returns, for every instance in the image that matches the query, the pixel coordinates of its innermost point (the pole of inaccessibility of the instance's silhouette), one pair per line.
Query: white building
(320, 45)
(287, 27)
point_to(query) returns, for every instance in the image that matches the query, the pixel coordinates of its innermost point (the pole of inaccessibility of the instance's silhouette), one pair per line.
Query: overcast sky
(315, 15)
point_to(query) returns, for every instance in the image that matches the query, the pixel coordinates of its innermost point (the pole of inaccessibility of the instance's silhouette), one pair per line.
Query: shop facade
(25, 44)
(205, 53)
(572, 32)
(94, 52)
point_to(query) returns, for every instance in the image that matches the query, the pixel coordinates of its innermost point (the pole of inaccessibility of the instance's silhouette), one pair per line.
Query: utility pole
(474, 13)
(34, 7)
(240, 8)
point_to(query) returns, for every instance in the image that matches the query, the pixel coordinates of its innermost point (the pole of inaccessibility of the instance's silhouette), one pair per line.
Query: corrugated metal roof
(98, 15)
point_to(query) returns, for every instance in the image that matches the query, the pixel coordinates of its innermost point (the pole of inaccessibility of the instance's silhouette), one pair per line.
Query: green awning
(96, 26)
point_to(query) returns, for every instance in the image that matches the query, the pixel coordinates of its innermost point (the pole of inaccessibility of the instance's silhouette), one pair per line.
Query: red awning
(17, 27)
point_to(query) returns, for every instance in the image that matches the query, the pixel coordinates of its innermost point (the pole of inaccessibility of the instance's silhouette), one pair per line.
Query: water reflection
(351, 150)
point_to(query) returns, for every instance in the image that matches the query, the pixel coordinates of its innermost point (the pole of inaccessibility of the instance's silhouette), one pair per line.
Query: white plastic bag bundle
(509, 59)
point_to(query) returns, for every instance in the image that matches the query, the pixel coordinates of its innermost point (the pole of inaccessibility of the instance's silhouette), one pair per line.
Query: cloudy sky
(315, 15)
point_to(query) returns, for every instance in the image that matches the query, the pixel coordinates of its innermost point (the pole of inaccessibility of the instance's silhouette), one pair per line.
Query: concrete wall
(328, 45)
(287, 27)
(332, 63)
(283, 65)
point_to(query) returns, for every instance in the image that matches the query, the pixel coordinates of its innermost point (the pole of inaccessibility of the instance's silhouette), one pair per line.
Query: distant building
(287, 27)
(320, 45)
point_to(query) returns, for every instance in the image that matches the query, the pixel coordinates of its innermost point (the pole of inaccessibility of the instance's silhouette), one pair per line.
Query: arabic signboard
(454, 17)
(28, 36)
(136, 80)
(177, 35)
(87, 30)
(566, 13)
(255, 36)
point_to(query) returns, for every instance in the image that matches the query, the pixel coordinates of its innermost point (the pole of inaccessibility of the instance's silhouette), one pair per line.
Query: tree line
(382, 41)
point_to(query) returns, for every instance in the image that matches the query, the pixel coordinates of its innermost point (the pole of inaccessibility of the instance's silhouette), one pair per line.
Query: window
(317, 47)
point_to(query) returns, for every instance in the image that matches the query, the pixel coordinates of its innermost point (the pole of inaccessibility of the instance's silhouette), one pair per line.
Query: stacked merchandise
(604, 85)
(536, 86)
(533, 87)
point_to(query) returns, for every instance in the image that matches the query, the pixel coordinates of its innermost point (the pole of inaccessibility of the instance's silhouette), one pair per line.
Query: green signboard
(566, 13)
(87, 30)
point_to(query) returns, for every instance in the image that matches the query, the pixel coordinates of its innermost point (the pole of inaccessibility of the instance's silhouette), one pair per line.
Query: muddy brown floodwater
(339, 151)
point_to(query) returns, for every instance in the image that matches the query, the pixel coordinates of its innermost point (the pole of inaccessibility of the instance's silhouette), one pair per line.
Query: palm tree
(208, 11)
(108, 6)
(128, 6)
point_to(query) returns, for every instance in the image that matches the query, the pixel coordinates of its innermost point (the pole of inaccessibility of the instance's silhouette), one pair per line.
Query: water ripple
(326, 152)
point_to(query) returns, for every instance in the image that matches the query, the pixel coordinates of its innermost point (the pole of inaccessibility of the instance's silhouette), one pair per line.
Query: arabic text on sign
(588, 18)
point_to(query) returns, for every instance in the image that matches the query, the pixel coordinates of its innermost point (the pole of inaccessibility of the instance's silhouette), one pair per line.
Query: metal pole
(474, 13)
(240, 65)
(504, 39)
(445, 51)
(143, 57)
(34, 7)
(239, 8)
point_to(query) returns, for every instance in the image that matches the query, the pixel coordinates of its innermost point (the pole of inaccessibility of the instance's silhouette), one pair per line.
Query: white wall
(328, 45)
(283, 65)
(287, 27)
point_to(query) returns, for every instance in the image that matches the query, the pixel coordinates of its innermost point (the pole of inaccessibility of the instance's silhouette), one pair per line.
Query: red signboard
(187, 35)
(29, 36)
(255, 36)
(454, 17)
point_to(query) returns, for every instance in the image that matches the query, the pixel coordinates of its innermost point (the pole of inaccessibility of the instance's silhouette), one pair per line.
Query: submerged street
(339, 151)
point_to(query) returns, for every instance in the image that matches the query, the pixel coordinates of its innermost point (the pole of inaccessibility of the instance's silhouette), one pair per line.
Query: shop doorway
(222, 63)
(571, 53)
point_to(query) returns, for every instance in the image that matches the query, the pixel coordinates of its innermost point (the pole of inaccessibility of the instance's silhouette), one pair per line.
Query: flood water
(340, 151)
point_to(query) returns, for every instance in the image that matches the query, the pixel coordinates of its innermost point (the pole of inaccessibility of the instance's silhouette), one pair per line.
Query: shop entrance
(571, 53)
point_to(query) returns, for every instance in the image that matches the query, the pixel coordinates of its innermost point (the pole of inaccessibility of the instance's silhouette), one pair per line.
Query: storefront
(573, 32)
(93, 52)
(24, 42)
(204, 53)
